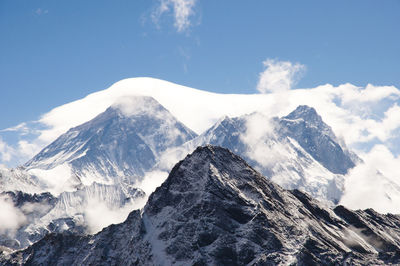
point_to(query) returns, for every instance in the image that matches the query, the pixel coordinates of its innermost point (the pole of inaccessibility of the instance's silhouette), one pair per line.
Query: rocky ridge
(216, 209)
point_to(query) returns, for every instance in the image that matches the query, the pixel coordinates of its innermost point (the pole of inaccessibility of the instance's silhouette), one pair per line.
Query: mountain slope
(126, 141)
(296, 151)
(19, 180)
(317, 138)
(121, 143)
(214, 209)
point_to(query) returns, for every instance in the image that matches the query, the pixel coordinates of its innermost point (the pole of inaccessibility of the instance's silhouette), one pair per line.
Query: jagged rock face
(317, 138)
(214, 209)
(116, 143)
(20, 198)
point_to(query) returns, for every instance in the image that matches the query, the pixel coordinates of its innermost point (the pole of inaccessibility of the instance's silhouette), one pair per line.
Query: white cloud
(6, 152)
(99, 215)
(23, 149)
(21, 152)
(151, 181)
(374, 183)
(279, 76)
(369, 94)
(27, 149)
(11, 218)
(130, 106)
(56, 179)
(258, 136)
(182, 11)
(22, 128)
(35, 208)
(391, 122)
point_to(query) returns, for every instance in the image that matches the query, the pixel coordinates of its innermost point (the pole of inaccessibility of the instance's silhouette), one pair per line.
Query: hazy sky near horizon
(54, 52)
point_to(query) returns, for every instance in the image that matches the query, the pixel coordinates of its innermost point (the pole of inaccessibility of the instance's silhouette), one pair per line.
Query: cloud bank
(360, 125)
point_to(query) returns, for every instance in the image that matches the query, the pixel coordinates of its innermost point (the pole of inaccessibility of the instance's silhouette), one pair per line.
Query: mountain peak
(305, 125)
(209, 169)
(305, 112)
(137, 105)
(123, 141)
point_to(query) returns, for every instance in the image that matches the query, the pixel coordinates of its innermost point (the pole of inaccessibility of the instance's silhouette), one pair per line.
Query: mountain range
(214, 209)
(108, 166)
(116, 151)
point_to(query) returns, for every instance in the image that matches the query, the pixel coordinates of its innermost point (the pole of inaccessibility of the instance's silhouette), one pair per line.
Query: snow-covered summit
(123, 142)
(290, 150)
(306, 113)
(318, 139)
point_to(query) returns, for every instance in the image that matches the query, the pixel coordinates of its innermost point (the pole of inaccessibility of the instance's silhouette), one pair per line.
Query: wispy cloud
(6, 152)
(41, 11)
(279, 76)
(22, 150)
(259, 130)
(22, 128)
(182, 11)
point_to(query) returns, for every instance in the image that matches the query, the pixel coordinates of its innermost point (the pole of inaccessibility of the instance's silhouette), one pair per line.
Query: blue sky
(53, 52)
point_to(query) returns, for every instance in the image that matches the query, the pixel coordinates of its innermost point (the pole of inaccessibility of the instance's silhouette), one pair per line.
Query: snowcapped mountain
(102, 159)
(298, 151)
(121, 143)
(91, 169)
(317, 138)
(214, 209)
